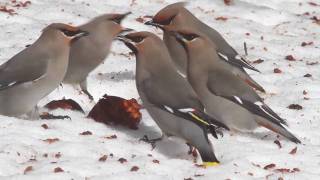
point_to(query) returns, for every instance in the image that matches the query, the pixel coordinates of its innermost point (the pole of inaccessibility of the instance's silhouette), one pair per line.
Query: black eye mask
(69, 33)
(189, 37)
(136, 39)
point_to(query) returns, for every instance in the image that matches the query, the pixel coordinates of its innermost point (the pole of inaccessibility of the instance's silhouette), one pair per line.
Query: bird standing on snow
(168, 97)
(89, 52)
(178, 17)
(36, 71)
(223, 94)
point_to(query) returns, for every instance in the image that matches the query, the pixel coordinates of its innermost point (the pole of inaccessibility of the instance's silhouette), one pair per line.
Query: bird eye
(137, 39)
(190, 37)
(116, 20)
(67, 32)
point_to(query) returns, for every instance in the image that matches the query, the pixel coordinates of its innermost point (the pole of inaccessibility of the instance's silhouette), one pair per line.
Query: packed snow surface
(271, 29)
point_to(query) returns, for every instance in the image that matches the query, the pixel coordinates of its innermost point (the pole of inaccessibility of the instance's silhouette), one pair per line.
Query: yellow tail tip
(210, 164)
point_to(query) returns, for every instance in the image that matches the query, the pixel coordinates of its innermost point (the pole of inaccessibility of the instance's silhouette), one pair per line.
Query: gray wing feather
(24, 67)
(229, 87)
(173, 92)
(224, 83)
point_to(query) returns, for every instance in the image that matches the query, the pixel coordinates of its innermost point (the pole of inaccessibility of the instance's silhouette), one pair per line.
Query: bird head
(70, 33)
(106, 25)
(166, 15)
(134, 41)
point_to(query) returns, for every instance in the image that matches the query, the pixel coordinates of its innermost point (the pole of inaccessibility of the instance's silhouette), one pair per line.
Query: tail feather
(277, 129)
(254, 84)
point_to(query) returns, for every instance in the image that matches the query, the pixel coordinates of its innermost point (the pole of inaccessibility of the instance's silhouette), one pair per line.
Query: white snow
(283, 28)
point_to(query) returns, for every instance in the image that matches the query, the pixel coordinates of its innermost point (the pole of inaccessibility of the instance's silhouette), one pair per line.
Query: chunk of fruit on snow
(64, 104)
(113, 110)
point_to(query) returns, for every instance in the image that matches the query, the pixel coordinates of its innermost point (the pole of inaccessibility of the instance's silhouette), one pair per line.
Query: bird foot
(215, 131)
(151, 141)
(88, 94)
(48, 116)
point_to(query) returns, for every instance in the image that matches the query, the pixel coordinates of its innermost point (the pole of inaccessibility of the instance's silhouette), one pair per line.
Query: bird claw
(215, 131)
(48, 116)
(88, 94)
(219, 131)
(150, 141)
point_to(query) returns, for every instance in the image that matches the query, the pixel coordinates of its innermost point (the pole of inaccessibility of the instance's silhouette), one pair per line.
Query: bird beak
(151, 23)
(128, 42)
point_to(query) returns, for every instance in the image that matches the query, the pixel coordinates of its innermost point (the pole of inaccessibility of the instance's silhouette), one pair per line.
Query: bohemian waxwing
(223, 94)
(36, 71)
(89, 52)
(178, 17)
(168, 97)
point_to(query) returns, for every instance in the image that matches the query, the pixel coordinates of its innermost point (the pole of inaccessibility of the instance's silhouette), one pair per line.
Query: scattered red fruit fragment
(312, 63)
(277, 70)
(51, 140)
(58, 155)
(258, 61)
(313, 4)
(290, 58)
(114, 110)
(103, 158)
(295, 106)
(22, 4)
(45, 126)
(140, 19)
(306, 43)
(27, 169)
(283, 170)
(111, 137)
(156, 161)
(277, 142)
(122, 160)
(221, 18)
(269, 166)
(58, 170)
(134, 168)
(315, 19)
(7, 10)
(295, 170)
(85, 133)
(64, 104)
(293, 151)
(307, 75)
(227, 2)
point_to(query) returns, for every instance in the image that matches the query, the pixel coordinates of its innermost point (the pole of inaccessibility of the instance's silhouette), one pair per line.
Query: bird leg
(48, 116)
(88, 94)
(192, 150)
(83, 86)
(146, 139)
(33, 115)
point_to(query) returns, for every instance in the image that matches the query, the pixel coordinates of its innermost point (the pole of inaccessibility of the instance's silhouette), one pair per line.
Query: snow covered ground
(272, 30)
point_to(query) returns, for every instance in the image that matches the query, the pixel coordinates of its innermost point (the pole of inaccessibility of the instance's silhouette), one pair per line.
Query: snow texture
(271, 29)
